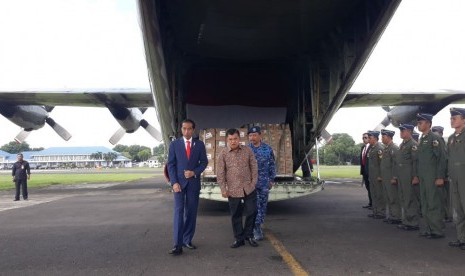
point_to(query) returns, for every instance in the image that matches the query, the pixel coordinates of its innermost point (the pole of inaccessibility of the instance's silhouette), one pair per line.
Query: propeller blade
(384, 123)
(386, 108)
(22, 136)
(155, 133)
(58, 129)
(117, 136)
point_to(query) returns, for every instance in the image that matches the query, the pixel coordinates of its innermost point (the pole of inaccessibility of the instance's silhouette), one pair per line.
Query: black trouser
(366, 180)
(238, 209)
(21, 184)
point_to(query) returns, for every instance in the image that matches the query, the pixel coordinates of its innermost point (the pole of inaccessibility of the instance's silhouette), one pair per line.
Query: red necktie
(364, 155)
(188, 149)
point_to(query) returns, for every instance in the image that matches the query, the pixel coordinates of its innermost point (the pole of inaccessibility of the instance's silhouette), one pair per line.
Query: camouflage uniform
(376, 186)
(390, 190)
(409, 194)
(431, 165)
(266, 174)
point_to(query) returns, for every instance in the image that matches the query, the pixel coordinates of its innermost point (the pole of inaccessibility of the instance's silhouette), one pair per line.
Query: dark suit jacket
(363, 169)
(178, 162)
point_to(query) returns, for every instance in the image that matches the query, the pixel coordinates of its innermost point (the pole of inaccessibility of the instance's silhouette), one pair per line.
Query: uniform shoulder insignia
(435, 143)
(414, 147)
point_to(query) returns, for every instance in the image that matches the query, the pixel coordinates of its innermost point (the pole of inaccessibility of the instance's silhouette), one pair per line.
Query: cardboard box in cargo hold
(220, 134)
(275, 135)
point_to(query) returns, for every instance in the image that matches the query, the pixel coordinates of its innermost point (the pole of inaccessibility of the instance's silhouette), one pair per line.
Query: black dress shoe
(411, 228)
(189, 245)
(252, 242)
(177, 250)
(370, 215)
(237, 243)
(15, 199)
(456, 243)
(366, 206)
(395, 221)
(434, 236)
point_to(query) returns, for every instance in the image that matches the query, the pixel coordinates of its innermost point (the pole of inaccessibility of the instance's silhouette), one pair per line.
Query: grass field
(42, 178)
(329, 172)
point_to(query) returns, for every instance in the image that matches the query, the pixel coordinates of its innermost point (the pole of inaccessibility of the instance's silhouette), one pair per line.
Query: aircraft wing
(356, 99)
(80, 97)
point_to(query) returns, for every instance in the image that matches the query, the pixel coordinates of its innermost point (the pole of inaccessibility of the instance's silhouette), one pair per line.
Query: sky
(54, 44)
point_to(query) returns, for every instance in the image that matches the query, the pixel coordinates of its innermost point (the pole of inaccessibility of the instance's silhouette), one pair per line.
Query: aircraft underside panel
(299, 55)
(234, 116)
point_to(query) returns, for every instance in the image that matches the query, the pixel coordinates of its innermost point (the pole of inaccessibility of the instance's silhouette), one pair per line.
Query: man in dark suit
(364, 167)
(187, 159)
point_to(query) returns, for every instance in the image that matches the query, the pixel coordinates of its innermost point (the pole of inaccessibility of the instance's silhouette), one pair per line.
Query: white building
(65, 157)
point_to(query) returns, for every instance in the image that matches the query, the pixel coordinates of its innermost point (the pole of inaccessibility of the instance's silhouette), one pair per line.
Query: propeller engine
(399, 115)
(130, 119)
(32, 117)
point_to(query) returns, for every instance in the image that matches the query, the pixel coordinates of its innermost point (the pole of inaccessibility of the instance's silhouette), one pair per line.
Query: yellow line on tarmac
(292, 263)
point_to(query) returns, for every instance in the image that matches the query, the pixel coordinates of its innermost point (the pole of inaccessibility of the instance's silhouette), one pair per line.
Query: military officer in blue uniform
(390, 184)
(456, 170)
(431, 169)
(266, 174)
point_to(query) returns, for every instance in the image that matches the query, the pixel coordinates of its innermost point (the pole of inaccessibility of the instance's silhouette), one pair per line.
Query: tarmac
(126, 229)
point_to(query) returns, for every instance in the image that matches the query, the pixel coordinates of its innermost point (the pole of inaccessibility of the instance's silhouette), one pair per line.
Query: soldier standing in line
(405, 170)
(389, 183)
(374, 155)
(266, 174)
(456, 166)
(439, 130)
(431, 169)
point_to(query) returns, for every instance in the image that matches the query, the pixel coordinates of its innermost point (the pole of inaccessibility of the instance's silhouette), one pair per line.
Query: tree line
(341, 151)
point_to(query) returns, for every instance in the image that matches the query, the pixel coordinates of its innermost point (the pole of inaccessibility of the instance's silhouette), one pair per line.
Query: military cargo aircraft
(229, 63)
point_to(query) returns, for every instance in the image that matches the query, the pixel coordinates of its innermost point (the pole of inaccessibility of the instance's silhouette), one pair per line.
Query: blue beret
(424, 116)
(457, 111)
(254, 129)
(437, 129)
(373, 133)
(387, 132)
(406, 126)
